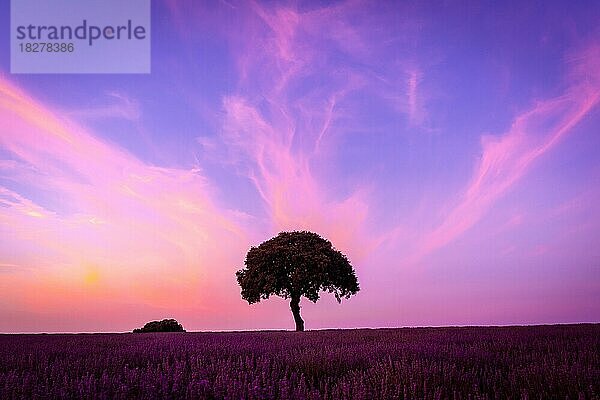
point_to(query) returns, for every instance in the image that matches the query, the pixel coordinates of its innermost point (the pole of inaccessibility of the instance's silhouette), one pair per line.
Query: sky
(449, 149)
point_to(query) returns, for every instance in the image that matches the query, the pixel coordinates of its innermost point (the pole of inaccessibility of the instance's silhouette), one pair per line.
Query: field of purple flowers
(540, 362)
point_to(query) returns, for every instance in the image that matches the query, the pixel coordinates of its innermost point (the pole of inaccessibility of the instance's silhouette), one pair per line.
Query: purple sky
(450, 150)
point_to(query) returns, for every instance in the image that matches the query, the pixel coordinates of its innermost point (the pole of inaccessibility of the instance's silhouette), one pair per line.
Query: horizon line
(315, 330)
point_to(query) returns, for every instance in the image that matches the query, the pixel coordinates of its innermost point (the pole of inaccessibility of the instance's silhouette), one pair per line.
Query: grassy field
(536, 362)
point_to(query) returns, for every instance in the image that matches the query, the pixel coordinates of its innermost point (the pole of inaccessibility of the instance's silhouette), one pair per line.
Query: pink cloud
(117, 105)
(123, 229)
(415, 113)
(506, 158)
(284, 179)
(283, 23)
(279, 136)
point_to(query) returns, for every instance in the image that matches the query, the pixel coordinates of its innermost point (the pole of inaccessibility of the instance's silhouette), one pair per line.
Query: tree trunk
(295, 306)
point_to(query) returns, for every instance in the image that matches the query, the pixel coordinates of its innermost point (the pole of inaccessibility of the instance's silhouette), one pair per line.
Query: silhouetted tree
(295, 264)
(166, 325)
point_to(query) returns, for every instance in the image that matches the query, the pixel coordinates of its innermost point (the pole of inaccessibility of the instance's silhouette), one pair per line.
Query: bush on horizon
(166, 325)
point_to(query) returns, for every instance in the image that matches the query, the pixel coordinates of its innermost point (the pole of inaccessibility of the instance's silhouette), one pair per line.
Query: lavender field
(539, 362)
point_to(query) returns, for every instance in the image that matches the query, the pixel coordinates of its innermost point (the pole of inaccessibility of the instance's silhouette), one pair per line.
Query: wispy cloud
(283, 177)
(278, 136)
(507, 157)
(146, 232)
(6, 268)
(415, 112)
(117, 105)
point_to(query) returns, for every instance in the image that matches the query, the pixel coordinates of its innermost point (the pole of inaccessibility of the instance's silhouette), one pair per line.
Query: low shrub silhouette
(166, 325)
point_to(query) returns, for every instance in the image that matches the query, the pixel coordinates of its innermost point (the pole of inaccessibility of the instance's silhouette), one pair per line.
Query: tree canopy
(296, 264)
